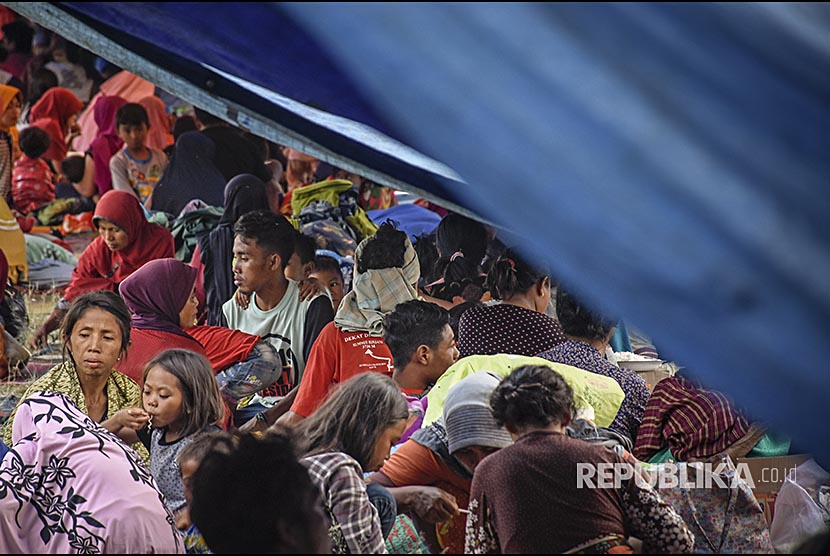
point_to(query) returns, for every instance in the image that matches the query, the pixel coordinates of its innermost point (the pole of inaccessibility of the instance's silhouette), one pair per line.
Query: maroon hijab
(157, 292)
(107, 143)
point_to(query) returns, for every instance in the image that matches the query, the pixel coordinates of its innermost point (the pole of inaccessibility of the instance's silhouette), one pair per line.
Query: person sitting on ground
(589, 334)
(164, 319)
(62, 106)
(284, 517)
(32, 186)
(214, 253)
(10, 100)
(350, 434)
(95, 334)
(517, 325)
(136, 168)
(462, 244)
(180, 399)
(126, 240)
(422, 344)
(387, 274)
(188, 462)
(685, 421)
(69, 486)
(263, 244)
(72, 184)
(518, 492)
(430, 474)
(190, 175)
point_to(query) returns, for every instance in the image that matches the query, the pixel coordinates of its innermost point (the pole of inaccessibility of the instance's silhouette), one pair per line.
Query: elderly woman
(96, 334)
(126, 240)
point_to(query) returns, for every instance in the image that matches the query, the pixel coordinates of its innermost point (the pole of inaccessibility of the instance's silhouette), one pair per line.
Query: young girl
(352, 432)
(180, 399)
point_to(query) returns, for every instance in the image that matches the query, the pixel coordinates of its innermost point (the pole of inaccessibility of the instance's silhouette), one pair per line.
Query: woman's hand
(52, 322)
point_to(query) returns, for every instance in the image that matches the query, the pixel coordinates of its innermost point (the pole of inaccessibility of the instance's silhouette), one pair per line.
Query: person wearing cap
(126, 240)
(431, 473)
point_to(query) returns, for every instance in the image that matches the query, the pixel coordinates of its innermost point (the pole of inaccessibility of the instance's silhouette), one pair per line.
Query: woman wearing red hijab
(125, 242)
(62, 106)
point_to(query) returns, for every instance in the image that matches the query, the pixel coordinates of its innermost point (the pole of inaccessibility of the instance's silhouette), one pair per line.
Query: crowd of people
(265, 353)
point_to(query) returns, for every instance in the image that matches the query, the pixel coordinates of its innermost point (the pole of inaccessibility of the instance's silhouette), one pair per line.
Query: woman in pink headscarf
(107, 143)
(62, 106)
(158, 136)
(69, 486)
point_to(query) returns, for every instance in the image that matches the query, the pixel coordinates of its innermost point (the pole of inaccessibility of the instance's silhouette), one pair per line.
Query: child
(180, 399)
(189, 460)
(301, 264)
(327, 272)
(73, 168)
(137, 167)
(32, 185)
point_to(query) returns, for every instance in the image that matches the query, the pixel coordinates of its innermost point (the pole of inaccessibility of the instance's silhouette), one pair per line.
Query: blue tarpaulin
(669, 161)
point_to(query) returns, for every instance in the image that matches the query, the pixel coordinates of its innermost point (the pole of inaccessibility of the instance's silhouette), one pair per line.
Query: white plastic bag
(797, 515)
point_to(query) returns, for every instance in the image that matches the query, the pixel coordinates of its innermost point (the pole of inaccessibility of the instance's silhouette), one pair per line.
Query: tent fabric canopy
(668, 161)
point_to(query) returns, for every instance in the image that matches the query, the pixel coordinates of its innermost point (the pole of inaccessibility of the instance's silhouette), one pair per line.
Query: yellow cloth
(122, 392)
(593, 393)
(13, 244)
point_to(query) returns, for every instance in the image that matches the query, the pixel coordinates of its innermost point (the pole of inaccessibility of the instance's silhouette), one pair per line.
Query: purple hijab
(107, 143)
(156, 294)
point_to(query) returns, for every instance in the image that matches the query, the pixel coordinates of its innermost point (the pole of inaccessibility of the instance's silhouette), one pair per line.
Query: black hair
(21, 34)
(34, 142)
(202, 403)
(353, 417)
(324, 263)
(459, 310)
(457, 233)
(305, 247)
(73, 167)
(411, 324)
(427, 258)
(511, 275)
(41, 80)
(385, 249)
(271, 232)
(283, 517)
(105, 301)
(183, 125)
(463, 278)
(532, 395)
(132, 114)
(577, 320)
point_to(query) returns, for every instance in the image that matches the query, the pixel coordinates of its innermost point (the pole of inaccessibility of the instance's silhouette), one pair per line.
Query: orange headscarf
(7, 93)
(159, 136)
